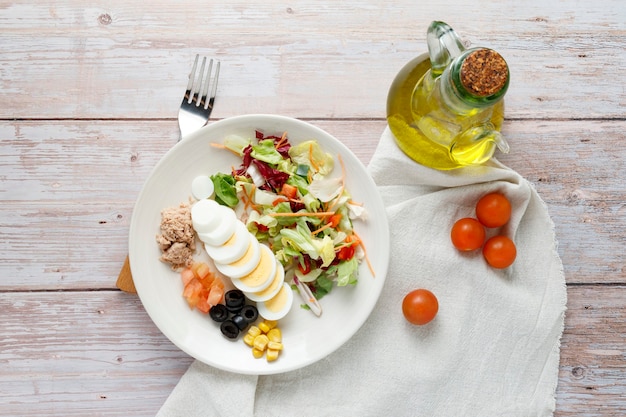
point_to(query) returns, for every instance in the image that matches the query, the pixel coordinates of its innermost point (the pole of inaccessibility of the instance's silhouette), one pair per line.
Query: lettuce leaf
(347, 272)
(225, 190)
(310, 153)
(266, 152)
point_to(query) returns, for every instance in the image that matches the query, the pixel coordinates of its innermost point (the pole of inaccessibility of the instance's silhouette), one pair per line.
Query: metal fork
(193, 114)
(197, 103)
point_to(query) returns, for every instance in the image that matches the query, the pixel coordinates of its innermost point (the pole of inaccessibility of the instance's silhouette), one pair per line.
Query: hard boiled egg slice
(272, 289)
(205, 215)
(224, 230)
(234, 248)
(245, 264)
(202, 187)
(260, 277)
(278, 306)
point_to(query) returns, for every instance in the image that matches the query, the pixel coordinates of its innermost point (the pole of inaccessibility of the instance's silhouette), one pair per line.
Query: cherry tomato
(467, 234)
(346, 253)
(499, 251)
(420, 306)
(493, 210)
(306, 268)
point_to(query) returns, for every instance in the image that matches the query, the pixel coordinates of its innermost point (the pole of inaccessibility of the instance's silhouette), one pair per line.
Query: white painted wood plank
(68, 189)
(322, 59)
(97, 353)
(77, 354)
(67, 186)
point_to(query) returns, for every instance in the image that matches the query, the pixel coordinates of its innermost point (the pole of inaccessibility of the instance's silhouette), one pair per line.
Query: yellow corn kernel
(271, 323)
(275, 335)
(264, 327)
(271, 355)
(248, 339)
(254, 331)
(260, 342)
(274, 346)
(257, 353)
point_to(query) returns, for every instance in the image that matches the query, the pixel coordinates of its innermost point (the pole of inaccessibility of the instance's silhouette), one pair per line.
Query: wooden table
(88, 103)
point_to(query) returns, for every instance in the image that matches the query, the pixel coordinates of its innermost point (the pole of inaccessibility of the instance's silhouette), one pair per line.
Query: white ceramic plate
(306, 338)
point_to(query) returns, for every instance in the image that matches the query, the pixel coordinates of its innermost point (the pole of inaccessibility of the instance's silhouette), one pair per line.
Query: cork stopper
(484, 72)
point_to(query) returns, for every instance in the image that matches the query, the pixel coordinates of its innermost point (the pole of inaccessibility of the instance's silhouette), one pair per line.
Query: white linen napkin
(492, 350)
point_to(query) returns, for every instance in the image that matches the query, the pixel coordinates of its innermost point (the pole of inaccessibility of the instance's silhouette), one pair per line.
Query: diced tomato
(187, 275)
(334, 219)
(193, 292)
(215, 295)
(347, 252)
(306, 268)
(261, 227)
(207, 281)
(217, 283)
(289, 191)
(195, 267)
(203, 304)
(203, 270)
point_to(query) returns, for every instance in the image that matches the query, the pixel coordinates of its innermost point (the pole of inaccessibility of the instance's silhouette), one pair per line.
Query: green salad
(289, 201)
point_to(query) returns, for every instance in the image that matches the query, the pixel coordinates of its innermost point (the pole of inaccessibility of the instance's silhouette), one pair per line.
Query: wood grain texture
(68, 189)
(89, 97)
(110, 61)
(98, 353)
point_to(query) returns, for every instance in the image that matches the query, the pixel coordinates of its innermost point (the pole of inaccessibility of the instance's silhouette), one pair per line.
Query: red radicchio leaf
(247, 159)
(283, 149)
(274, 178)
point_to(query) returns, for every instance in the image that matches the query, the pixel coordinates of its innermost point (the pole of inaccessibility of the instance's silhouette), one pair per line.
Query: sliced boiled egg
(234, 248)
(272, 289)
(202, 187)
(245, 264)
(224, 229)
(261, 276)
(205, 215)
(278, 306)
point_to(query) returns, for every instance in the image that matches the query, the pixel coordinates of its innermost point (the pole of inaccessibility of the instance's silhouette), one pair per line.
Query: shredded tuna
(177, 239)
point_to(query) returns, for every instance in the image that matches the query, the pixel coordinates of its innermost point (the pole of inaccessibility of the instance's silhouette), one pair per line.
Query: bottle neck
(477, 79)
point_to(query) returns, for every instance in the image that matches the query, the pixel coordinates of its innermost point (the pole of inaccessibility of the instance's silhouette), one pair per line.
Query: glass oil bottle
(445, 108)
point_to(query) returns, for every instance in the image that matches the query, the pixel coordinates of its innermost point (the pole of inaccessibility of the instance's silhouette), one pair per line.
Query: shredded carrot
(356, 203)
(326, 226)
(279, 200)
(220, 146)
(346, 245)
(249, 198)
(303, 214)
(315, 166)
(367, 259)
(281, 141)
(350, 240)
(246, 201)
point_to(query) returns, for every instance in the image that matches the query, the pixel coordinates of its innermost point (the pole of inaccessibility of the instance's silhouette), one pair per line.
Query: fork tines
(198, 85)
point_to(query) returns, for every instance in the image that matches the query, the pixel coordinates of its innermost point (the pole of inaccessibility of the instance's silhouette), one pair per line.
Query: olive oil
(436, 128)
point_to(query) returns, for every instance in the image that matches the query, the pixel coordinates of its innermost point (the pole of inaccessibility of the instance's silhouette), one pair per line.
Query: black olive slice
(250, 313)
(240, 321)
(229, 329)
(234, 298)
(218, 313)
(234, 310)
